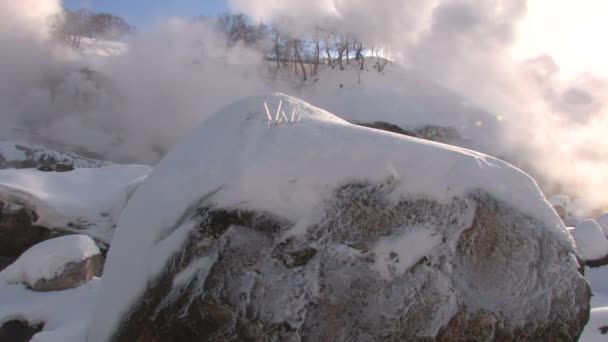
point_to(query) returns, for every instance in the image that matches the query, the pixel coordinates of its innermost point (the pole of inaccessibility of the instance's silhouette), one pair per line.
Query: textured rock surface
(18, 232)
(73, 275)
(486, 279)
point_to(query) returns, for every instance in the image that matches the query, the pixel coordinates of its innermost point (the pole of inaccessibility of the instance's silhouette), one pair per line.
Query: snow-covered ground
(66, 314)
(86, 200)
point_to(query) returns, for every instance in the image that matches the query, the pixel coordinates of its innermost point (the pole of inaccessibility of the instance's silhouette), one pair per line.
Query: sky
(569, 31)
(145, 13)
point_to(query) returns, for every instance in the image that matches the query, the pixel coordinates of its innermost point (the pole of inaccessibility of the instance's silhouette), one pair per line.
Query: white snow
(592, 332)
(85, 200)
(590, 240)
(403, 99)
(396, 255)
(236, 159)
(16, 151)
(66, 314)
(201, 266)
(48, 259)
(603, 222)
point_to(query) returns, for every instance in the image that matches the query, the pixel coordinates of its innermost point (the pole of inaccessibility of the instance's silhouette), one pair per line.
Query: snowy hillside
(407, 100)
(18, 155)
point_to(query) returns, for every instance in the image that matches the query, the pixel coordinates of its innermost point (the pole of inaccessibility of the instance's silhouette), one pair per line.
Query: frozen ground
(86, 200)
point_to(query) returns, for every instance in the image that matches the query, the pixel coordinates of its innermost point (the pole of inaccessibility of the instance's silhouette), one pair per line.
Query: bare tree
(359, 47)
(297, 46)
(72, 26)
(237, 28)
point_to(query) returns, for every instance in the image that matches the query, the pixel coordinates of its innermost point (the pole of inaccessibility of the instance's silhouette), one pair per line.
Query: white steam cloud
(553, 128)
(134, 106)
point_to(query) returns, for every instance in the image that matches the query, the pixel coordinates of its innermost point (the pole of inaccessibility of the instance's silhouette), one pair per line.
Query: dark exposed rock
(18, 331)
(5, 261)
(385, 126)
(428, 132)
(18, 232)
(56, 168)
(482, 282)
(598, 262)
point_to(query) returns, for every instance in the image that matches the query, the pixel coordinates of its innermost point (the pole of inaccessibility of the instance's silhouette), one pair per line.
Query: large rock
(57, 264)
(324, 231)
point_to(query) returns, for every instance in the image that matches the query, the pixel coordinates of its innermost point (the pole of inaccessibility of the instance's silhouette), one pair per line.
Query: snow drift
(86, 200)
(297, 203)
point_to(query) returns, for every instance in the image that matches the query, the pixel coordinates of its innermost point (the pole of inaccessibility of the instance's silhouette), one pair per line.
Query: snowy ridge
(237, 160)
(18, 155)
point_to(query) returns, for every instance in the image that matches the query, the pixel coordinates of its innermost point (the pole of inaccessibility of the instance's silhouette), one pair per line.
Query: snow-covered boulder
(591, 243)
(85, 200)
(303, 227)
(571, 211)
(57, 264)
(603, 222)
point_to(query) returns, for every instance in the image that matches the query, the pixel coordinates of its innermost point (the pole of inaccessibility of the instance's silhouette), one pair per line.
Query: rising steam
(174, 75)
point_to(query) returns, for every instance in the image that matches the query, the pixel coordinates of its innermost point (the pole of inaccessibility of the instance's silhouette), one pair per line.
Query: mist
(135, 106)
(552, 127)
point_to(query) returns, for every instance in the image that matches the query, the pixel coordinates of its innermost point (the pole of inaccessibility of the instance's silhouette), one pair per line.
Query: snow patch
(396, 255)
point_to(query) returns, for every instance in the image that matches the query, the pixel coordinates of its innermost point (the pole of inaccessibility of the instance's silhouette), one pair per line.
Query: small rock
(56, 264)
(73, 275)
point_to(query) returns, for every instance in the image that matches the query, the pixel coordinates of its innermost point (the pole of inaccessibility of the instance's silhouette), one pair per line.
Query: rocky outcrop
(447, 135)
(483, 277)
(18, 231)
